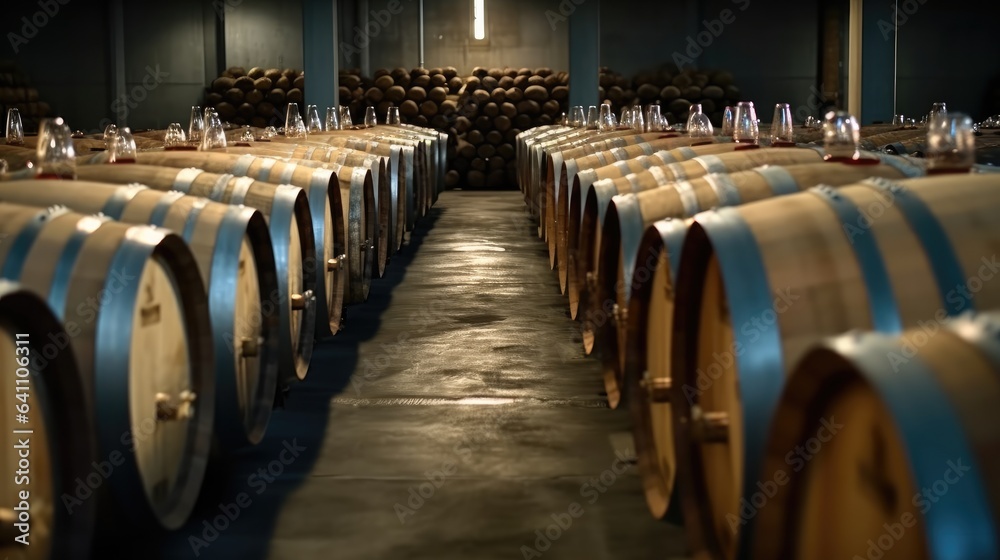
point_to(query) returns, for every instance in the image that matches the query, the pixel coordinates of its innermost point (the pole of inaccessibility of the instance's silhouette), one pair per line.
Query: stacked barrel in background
(705, 273)
(484, 112)
(181, 295)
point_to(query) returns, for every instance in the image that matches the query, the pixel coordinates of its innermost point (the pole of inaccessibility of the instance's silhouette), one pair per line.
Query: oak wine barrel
(44, 381)
(135, 310)
(763, 282)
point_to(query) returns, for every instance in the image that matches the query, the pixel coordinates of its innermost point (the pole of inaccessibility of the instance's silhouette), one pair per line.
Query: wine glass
(700, 126)
(607, 118)
(841, 136)
(694, 109)
(4, 168)
(899, 121)
(782, 126)
(576, 117)
(345, 117)
(122, 147)
(294, 127)
(110, 132)
(392, 116)
(625, 120)
(745, 129)
(638, 121)
(270, 132)
(15, 128)
(951, 143)
(197, 126)
(653, 116)
(174, 138)
(370, 120)
(313, 124)
(728, 118)
(937, 110)
(593, 118)
(56, 156)
(332, 118)
(247, 135)
(215, 135)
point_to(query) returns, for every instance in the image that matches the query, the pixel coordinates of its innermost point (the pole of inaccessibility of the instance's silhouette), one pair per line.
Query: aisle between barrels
(455, 416)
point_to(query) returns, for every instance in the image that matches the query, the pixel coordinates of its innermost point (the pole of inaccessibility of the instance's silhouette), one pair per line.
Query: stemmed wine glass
(576, 117)
(313, 124)
(782, 126)
(607, 119)
(345, 117)
(15, 128)
(174, 138)
(370, 118)
(951, 143)
(392, 116)
(745, 128)
(215, 135)
(122, 148)
(294, 127)
(653, 116)
(56, 156)
(197, 125)
(594, 118)
(841, 136)
(700, 126)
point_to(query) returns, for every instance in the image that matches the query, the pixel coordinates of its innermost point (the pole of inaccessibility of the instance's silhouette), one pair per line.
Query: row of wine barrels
(286, 210)
(136, 315)
(561, 172)
(880, 256)
(232, 248)
(587, 262)
(569, 214)
(628, 216)
(921, 428)
(59, 426)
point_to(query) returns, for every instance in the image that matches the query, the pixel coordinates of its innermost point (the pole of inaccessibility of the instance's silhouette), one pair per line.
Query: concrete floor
(462, 367)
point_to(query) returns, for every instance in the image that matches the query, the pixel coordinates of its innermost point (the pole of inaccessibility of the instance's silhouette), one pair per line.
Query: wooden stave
(69, 444)
(930, 192)
(235, 425)
(949, 398)
(287, 207)
(137, 246)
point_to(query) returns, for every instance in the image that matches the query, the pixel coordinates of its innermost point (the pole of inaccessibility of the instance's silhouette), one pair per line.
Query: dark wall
(264, 33)
(947, 51)
(169, 53)
(70, 71)
(518, 34)
(770, 46)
